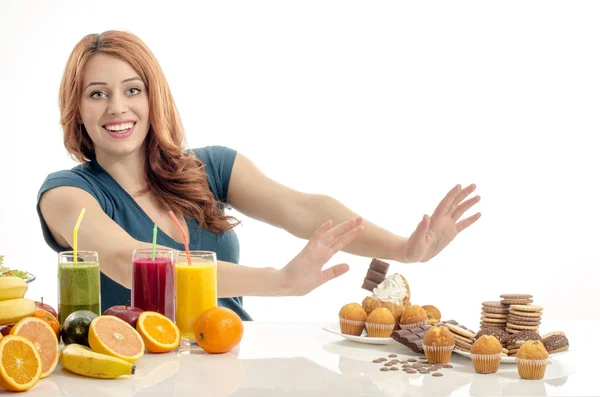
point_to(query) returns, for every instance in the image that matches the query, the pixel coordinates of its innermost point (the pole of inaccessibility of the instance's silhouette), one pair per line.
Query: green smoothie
(79, 288)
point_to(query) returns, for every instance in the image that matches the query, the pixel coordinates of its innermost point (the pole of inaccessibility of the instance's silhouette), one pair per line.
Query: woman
(120, 121)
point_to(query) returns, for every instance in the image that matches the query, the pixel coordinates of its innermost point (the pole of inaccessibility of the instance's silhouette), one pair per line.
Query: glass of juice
(195, 289)
(78, 284)
(153, 281)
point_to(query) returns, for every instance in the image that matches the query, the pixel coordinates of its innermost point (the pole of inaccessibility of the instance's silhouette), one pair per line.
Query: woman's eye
(97, 94)
(133, 91)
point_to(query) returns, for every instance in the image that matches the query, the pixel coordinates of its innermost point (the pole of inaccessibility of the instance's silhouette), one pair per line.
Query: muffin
(352, 319)
(433, 314)
(396, 310)
(486, 354)
(532, 359)
(370, 304)
(413, 316)
(438, 344)
(380, 323)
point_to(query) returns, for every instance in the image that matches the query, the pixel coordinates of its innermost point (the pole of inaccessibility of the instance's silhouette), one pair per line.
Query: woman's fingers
(334, 272)
(343, 228)
(461, 209)
(447, 201)
(463, 194)
(465, 223)
(342, 241)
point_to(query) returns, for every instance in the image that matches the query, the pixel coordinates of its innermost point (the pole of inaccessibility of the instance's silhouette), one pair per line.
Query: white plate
(361, 339)
(505, 359)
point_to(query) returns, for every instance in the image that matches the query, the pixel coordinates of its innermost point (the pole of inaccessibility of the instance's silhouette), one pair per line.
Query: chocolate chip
(411, 371)
(437, 374)
(412, 360)
(422, 358)
(403, 362)
(376, 361)
(389, 364)
(382, 359)
(424, 371)
(394, 369)
(447, 366)
(384, 369)
(392, 355)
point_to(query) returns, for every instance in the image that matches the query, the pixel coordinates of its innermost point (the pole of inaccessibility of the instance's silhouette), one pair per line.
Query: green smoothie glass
(78, 283)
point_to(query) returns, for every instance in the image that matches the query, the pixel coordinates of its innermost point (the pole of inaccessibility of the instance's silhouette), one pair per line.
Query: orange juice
(195, 292)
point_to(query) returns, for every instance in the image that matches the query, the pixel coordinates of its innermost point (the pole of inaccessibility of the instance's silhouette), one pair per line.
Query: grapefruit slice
(113, 336)
(43, 337)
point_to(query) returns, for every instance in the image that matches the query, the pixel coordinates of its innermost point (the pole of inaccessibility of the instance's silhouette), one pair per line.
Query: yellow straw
(75, 236)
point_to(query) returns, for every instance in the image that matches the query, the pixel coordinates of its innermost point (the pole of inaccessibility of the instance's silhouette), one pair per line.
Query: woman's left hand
(434, 233)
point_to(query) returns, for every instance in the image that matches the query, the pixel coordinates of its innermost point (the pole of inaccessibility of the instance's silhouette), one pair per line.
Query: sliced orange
(20, 363)
(44, 339)
(159, 333)
(113, 336)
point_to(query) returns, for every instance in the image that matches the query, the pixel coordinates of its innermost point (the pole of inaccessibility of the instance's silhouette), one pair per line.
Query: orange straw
(185, 242)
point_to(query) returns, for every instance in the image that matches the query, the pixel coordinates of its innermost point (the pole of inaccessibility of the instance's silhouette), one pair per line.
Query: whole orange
(218, 330)
(49, 318)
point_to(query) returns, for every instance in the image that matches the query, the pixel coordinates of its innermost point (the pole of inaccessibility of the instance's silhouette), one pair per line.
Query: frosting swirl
(392, 289)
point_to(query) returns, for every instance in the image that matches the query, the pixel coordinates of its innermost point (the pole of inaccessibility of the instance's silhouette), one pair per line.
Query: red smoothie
(153, 286)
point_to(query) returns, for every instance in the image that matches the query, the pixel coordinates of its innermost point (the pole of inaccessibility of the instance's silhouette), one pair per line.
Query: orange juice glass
(195, 289)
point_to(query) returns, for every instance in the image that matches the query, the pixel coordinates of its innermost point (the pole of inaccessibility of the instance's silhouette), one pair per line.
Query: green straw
(154, 242)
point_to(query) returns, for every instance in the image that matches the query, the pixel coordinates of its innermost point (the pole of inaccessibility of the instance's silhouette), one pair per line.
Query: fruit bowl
(30, 278)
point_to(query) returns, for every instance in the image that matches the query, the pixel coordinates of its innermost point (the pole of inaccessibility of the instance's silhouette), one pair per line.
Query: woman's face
(114, 106)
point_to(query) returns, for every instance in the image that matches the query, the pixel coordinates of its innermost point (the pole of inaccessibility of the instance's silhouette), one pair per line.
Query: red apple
(127, 313)
(6, 329)
(46, 307)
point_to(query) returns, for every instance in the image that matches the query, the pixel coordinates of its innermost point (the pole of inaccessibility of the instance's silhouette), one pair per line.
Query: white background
(382, 105)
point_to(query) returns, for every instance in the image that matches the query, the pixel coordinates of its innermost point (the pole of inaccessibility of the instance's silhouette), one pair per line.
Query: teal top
(123, 209)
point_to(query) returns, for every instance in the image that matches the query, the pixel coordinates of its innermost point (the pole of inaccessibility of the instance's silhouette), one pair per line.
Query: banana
(12, 288)
(83, 361)
(14, 310)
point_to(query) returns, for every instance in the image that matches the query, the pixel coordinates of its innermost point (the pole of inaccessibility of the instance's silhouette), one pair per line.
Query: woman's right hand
(305, 272)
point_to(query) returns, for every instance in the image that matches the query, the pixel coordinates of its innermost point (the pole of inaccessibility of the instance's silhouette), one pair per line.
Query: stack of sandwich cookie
(463, 338)
(514, 341)
(494, 315)
(555, 342)
(524, 318)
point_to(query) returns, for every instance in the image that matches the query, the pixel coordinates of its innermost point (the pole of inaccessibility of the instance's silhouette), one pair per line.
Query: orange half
(159, 333)
(113, 336)
(20, 363)
(43, 337)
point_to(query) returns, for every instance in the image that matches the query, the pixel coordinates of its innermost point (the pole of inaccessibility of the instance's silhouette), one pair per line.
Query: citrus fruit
(20, 363)
(218, 330)
(113, 336)
(44, 339)
(49, 318)
(159, 333)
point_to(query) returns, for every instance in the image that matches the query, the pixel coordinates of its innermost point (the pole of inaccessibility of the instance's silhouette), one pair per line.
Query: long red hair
(176, 177)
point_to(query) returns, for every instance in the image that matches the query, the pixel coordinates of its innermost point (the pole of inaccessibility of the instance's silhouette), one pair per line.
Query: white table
(299, 359)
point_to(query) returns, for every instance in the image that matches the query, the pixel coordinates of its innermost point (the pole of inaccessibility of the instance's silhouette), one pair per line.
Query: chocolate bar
(413, 338)
(376, 274)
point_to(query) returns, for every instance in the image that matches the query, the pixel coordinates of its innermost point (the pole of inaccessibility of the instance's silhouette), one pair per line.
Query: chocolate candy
(375, 275)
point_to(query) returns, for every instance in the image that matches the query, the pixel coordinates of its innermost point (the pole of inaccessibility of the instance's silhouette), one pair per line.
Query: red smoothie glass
(153, 281)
